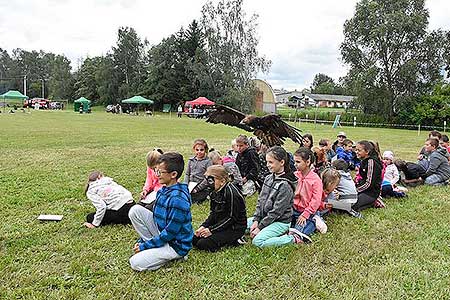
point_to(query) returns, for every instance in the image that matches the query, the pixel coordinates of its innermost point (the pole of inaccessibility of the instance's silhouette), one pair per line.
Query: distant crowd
(296, 193)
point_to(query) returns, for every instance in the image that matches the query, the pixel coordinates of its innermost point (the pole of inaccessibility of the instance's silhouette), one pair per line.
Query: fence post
(418, 131)
(289, 117)
(354, 121)
(445, 124)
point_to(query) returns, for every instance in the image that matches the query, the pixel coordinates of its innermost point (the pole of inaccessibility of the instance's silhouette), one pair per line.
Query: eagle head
(248, 120)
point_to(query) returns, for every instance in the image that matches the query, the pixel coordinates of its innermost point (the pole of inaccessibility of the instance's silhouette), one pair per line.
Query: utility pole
(25, 85)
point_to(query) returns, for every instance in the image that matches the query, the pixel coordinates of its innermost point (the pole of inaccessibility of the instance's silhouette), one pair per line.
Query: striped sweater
(172, 215)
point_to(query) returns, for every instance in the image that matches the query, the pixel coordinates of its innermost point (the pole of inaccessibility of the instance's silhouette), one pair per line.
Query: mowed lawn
(401, 252)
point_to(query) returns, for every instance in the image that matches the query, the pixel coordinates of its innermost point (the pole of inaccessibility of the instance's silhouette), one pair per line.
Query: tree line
(397, 66)
(215, 57)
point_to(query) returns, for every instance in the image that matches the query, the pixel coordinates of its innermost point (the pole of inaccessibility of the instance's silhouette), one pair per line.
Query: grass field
(401, 252)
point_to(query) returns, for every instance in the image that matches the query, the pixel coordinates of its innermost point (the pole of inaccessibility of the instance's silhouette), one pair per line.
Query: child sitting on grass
(227, 218)
(248, 163)
(391, 177)
(308, 195)
(111, 200)
(196, 169)
(370, 175)
(229, 165)
(166, 232)
(273, 212)
(438, 171)
(345, 152)
(346, 194)
(152, 184)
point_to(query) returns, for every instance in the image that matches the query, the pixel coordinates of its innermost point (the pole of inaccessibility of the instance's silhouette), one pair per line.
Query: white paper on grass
(50, 217)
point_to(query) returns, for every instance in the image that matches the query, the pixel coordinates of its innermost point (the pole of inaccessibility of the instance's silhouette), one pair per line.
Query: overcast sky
(300, 37)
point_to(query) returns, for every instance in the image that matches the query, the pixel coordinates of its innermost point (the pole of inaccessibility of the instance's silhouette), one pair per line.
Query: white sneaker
(320, 224)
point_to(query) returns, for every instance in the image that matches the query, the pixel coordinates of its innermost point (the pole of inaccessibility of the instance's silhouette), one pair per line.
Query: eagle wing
(274, 131)
(228, 116)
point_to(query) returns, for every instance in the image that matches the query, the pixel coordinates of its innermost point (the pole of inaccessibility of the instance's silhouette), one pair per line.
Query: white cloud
(301, 38)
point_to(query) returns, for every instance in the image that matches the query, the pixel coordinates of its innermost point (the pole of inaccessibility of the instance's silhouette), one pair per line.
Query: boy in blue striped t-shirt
(165, 230)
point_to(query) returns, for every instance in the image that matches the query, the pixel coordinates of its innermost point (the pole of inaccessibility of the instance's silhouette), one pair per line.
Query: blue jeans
(308, 228)
(435, 179)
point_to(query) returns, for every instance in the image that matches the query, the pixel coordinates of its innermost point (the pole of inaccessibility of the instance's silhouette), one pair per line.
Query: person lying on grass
(111, 200)
(227, 219)
(274, 207)
(166, 232)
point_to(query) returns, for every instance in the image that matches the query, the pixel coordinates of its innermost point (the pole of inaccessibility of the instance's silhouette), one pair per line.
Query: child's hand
(89, 225)
(254, 225)
(143, 194)
(301, 221)
(198, 232)
(254, 232)
(136, 248)
(205, 233)
(336, 194)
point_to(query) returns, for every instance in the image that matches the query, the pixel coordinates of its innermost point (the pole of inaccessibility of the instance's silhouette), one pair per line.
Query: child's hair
(242, 139)
(435, 133)
(254, 142)
(330, 176)
(347, 142)
(173, 161)
(93, 176)
(368, 146)
(309, 137)
(280, 154)
(340, 165)
(214, 156)
(201, 142)
(433, 142)
(445, 138)
(305, 154)
(153, 156)
(400, 164)
(324, 142)
(376, 150)
(218, 172)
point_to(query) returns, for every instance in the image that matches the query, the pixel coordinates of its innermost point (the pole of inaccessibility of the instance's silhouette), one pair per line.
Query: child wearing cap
(341, 136)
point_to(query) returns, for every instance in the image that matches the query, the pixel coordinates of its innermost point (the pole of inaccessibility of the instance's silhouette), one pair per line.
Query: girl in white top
(111, 200)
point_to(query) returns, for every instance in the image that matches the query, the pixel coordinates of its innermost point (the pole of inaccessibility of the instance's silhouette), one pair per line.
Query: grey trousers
(150, 259)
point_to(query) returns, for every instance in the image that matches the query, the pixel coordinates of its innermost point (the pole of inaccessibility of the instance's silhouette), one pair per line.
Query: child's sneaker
(299, 237)
(321, 226)
(241, 240)
(355, 214)
(379, 203)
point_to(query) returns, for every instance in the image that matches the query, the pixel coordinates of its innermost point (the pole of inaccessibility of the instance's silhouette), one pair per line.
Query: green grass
(401, 252)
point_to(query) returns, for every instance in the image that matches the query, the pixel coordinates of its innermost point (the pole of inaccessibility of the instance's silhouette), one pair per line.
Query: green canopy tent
(82, 101)
(12, 95)
(137, 100)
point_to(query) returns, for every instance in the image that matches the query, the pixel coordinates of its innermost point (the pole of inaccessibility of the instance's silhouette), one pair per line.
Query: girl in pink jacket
(152, 184)
(308, 194)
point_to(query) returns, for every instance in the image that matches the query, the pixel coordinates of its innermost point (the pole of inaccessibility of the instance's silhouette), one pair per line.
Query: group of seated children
(292, 202)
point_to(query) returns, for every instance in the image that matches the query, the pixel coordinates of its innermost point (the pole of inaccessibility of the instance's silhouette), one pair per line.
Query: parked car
(56, 105)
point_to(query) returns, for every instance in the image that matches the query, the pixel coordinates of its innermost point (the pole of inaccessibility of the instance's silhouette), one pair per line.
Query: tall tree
(231, 52)
(391, 55)
(129, 58)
